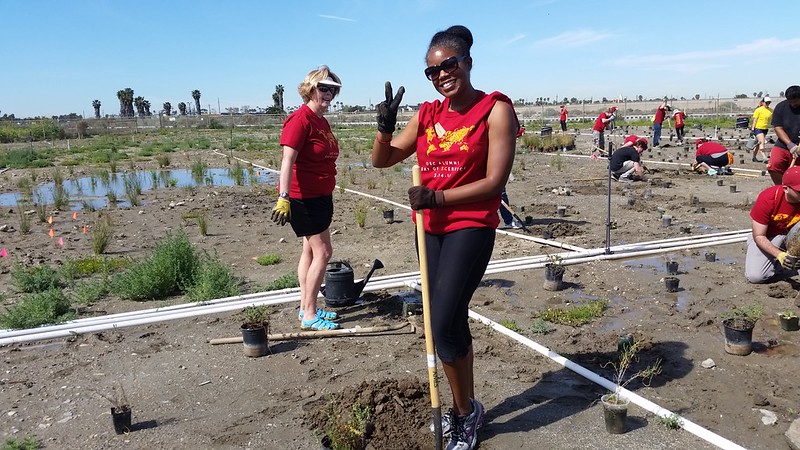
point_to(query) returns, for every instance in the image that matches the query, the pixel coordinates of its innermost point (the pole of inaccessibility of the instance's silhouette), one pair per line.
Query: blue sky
(58, 56)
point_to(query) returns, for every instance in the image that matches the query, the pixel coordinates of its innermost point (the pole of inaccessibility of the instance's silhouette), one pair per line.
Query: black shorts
(719, 161)
(311, 216)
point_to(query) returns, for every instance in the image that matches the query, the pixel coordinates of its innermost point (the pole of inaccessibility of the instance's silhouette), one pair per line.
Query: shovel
(514, 215)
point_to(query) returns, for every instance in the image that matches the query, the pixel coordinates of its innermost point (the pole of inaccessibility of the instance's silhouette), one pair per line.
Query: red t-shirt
(452, 150)
(679, 117)
(599, 125)
(632, 139)
(772, 209)
(314, 170)
(659, 115)
(711, 149)
(564, 113)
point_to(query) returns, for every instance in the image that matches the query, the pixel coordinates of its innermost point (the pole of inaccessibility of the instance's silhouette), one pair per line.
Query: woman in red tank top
(465, 148)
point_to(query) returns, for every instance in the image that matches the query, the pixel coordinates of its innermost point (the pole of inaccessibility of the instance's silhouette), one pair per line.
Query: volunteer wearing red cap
(711, 156)
(658, 119)
(774, 214)
(563, 118)
(598, 136)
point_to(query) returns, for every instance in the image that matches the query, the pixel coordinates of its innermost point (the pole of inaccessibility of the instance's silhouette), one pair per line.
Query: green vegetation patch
(268, 260)
(38, 309)
(575, 315)
(35, 278)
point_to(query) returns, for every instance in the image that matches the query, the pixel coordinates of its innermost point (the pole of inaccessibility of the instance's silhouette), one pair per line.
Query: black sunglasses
(449, 65)
(325, 89)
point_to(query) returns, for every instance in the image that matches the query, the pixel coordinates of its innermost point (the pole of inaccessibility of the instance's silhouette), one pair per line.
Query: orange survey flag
(52, 233)
(75, 215)
(50, 220)
(84, 229)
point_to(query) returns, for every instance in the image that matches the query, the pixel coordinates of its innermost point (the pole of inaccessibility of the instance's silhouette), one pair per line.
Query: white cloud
(573, 38)
(513, 39)
(696, 61)
(345, 19)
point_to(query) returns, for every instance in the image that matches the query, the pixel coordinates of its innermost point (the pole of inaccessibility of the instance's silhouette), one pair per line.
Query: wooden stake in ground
(357, 331)
(433, 379)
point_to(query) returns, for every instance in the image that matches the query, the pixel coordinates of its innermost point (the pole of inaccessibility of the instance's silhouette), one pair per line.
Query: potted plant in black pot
(121, 410)
(789, 321)
(254, 330)
(615, 405)
(554, 274)
(738, 324)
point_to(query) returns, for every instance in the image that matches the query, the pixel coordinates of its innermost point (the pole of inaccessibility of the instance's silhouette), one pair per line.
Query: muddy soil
(189, 394)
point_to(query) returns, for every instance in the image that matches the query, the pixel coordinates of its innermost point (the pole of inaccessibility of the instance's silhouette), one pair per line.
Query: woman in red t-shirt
(464, 146)
(307, 180)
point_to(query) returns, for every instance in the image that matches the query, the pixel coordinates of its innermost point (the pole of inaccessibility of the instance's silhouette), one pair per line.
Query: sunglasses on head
(324, 89)
(449, 65)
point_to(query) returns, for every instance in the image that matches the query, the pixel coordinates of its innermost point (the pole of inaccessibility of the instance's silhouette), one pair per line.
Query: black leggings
(679, 132)
(456, 264)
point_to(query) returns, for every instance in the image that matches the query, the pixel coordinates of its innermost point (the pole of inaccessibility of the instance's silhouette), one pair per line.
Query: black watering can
(340, 288)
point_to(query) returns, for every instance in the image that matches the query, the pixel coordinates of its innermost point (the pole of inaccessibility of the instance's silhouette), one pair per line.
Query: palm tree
(182, 108)
(123, 111)
(277, 97)
(96, 106)
(139, 102)
(167, 108)
(196, 97)
(146, 105)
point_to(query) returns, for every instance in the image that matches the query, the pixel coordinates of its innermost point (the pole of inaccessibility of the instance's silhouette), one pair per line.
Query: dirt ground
(187, 393)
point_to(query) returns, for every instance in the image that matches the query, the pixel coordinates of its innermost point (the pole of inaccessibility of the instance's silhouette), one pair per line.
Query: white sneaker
(516, 224)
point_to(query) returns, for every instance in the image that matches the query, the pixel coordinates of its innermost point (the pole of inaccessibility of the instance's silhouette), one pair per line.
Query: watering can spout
(377, 264)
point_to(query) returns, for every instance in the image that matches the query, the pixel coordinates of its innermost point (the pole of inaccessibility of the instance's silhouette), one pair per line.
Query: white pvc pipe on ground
(636, 399)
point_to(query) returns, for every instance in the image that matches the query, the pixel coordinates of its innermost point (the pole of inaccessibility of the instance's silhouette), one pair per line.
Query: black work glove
(387, 109)
(423, 197)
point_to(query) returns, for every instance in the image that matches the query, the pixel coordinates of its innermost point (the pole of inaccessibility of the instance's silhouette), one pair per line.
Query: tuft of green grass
(100, 234)
(28, 443)
(283, 282)
(511, 325)
(575, 315)
(169, 270)
(24, 220)
(38, 309)
(268, 260)
(540, 326)
(90, 291)
(361, 216)
(35, 278)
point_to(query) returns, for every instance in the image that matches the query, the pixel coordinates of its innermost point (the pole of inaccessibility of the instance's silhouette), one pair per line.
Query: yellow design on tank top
(448, 139)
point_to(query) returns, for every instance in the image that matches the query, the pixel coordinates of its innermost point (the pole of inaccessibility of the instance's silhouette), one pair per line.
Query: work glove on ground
(422, 197)
(282, 212)
(788, 261)
(387, 109)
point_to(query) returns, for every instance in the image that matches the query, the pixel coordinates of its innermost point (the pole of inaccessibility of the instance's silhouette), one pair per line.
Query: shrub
(89, 292)
(36, 278)
(168, 271)
(162, 160)
(29, 443)
(100, 234)
(213, 280)
(361, 216)
(24, 220)
(37, 309)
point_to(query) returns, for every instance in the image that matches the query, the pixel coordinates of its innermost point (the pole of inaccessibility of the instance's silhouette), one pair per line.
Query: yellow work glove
(787, 261)
(282, 212)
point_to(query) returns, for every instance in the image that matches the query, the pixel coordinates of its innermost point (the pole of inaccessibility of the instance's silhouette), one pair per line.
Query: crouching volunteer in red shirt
(464, 145)
(712, 158)
(775, 214)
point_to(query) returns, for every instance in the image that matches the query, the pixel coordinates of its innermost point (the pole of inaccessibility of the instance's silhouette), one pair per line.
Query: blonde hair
(306, 88)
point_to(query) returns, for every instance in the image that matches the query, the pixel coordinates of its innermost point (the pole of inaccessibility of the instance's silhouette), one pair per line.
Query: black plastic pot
(672, 267)
(388, 215)
(789, 323)
(711, 256)
(615, 413)
(738, 336)
(121, 418)
(254, 339)
(624, 342)
(671, 283)
(553, 277)
(562, 211)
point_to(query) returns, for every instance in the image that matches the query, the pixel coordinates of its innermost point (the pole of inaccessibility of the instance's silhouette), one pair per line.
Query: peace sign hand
(387, 109)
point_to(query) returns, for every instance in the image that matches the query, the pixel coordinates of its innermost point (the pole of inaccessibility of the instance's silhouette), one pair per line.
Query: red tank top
(452, 150)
